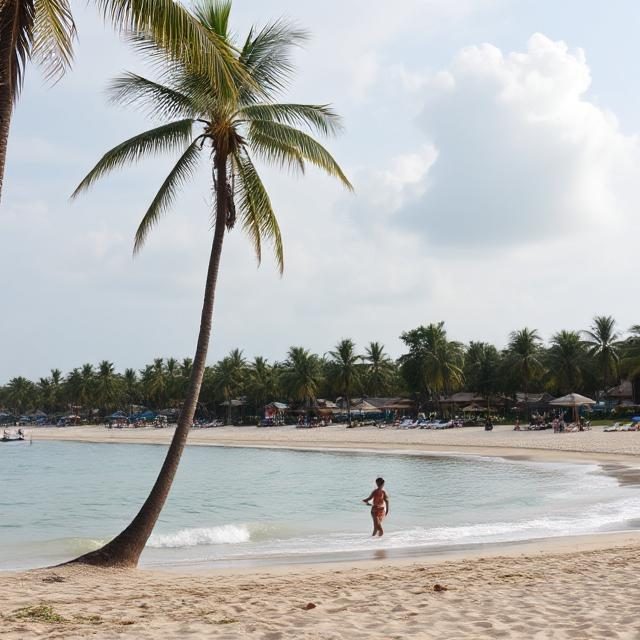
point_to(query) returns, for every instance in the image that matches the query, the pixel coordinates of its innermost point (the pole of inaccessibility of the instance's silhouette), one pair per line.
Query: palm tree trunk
(8, 34)
(125, 549)
(350, 424)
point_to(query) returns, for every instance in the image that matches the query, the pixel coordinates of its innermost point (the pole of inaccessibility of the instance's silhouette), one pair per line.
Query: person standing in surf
(379, 507)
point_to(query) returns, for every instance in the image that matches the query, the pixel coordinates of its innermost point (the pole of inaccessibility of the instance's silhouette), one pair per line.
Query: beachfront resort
(418, 418)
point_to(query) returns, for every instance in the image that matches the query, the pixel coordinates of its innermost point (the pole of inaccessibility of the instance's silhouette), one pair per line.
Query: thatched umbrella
(574, 400)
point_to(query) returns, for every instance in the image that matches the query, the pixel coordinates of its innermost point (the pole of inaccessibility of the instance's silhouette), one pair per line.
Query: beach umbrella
(573, 400)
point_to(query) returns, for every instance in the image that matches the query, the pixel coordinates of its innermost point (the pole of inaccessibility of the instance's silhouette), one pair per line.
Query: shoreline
(370, 440)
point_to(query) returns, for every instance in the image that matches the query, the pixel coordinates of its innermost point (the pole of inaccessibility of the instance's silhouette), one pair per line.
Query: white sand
(589, 595)
(585, 588)
(588, 445)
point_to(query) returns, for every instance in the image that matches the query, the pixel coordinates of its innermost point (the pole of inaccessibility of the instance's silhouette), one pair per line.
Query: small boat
(12, 436)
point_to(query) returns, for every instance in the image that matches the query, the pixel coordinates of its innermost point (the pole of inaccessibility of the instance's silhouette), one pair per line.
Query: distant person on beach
(380, 506)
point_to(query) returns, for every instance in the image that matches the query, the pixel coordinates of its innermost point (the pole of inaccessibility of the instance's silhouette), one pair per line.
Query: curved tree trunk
(9, 11)
(125, 549)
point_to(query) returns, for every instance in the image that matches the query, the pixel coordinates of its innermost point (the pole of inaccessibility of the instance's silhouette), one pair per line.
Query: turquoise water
(235, 506)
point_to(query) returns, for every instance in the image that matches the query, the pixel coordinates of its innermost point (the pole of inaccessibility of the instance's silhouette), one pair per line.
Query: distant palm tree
(301, 376)
(345, 372)
(524, 355)
(630, 360)
(20, 394)
(603, 344)
(229, 375)
(262, 383)
(106, 385)
(566, 359)
(130, 386)
(433, 364)
(232, 127)
(380, 369)
(481, 369)
(44, 31)
(86, 388)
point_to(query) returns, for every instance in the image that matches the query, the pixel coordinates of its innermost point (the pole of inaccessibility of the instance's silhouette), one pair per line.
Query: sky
(494, 150)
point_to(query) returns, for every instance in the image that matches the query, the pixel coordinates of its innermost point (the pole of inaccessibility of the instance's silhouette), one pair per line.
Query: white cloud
(523, 154)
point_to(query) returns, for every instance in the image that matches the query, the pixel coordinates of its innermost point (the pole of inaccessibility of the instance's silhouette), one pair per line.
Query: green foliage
(431, 367)
(231, 126)
(433, 364)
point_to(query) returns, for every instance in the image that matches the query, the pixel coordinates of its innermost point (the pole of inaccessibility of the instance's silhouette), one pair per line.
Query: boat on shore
(11, 435)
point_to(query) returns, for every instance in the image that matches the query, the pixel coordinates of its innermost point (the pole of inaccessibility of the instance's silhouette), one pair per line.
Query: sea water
(247, 506)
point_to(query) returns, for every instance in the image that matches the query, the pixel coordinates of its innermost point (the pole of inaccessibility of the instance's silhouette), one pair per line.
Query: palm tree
(481, 367)
(55, 388)
(524, 356)
(44, 31)
(433, 364)
(566, 359)
(155, 383)
(20, 392)
(380, 369)
(262, 382)
(603, 344)
(630, 360)
(233, 126)
(228, 378)
(344, 369)
(130, 386)
(86, 388)
(106, 382)
(301, 376)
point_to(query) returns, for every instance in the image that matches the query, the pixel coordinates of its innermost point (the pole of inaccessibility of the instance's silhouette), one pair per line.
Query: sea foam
(225, 534)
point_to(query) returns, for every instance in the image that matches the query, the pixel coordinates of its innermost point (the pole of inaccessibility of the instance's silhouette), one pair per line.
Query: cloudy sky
(494, 149)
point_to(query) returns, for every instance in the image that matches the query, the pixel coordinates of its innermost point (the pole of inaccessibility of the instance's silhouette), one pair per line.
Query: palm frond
(266, 56)
(16, 34)
(214, 14)
(184, 39)
(166, 195)
(203, 97)
(263, 133)
(154, 141)
(258, 218)
(53, 34)
(321, 118)
(153, 98)
(275, 152)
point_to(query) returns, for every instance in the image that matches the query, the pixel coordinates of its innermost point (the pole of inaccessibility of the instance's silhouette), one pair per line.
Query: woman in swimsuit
(380, 506)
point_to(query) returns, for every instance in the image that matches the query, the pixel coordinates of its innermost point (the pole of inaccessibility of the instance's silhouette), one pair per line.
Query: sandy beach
(558, 588)
(529, 593)
(502, 441)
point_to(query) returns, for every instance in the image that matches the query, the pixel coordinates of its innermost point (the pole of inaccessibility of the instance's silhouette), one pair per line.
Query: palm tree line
(432, 367)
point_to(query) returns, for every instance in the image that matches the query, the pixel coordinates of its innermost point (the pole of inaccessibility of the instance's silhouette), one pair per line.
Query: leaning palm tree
(44, 31)
(344, 370)
(231, 128)
(603, 344)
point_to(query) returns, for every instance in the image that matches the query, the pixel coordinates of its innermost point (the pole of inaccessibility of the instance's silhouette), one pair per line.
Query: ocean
(234, 507)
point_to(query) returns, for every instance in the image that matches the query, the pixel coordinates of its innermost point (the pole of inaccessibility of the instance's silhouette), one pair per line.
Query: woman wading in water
(380, 506)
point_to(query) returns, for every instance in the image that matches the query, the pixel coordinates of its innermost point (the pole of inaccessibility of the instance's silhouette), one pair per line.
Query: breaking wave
(225, 534)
